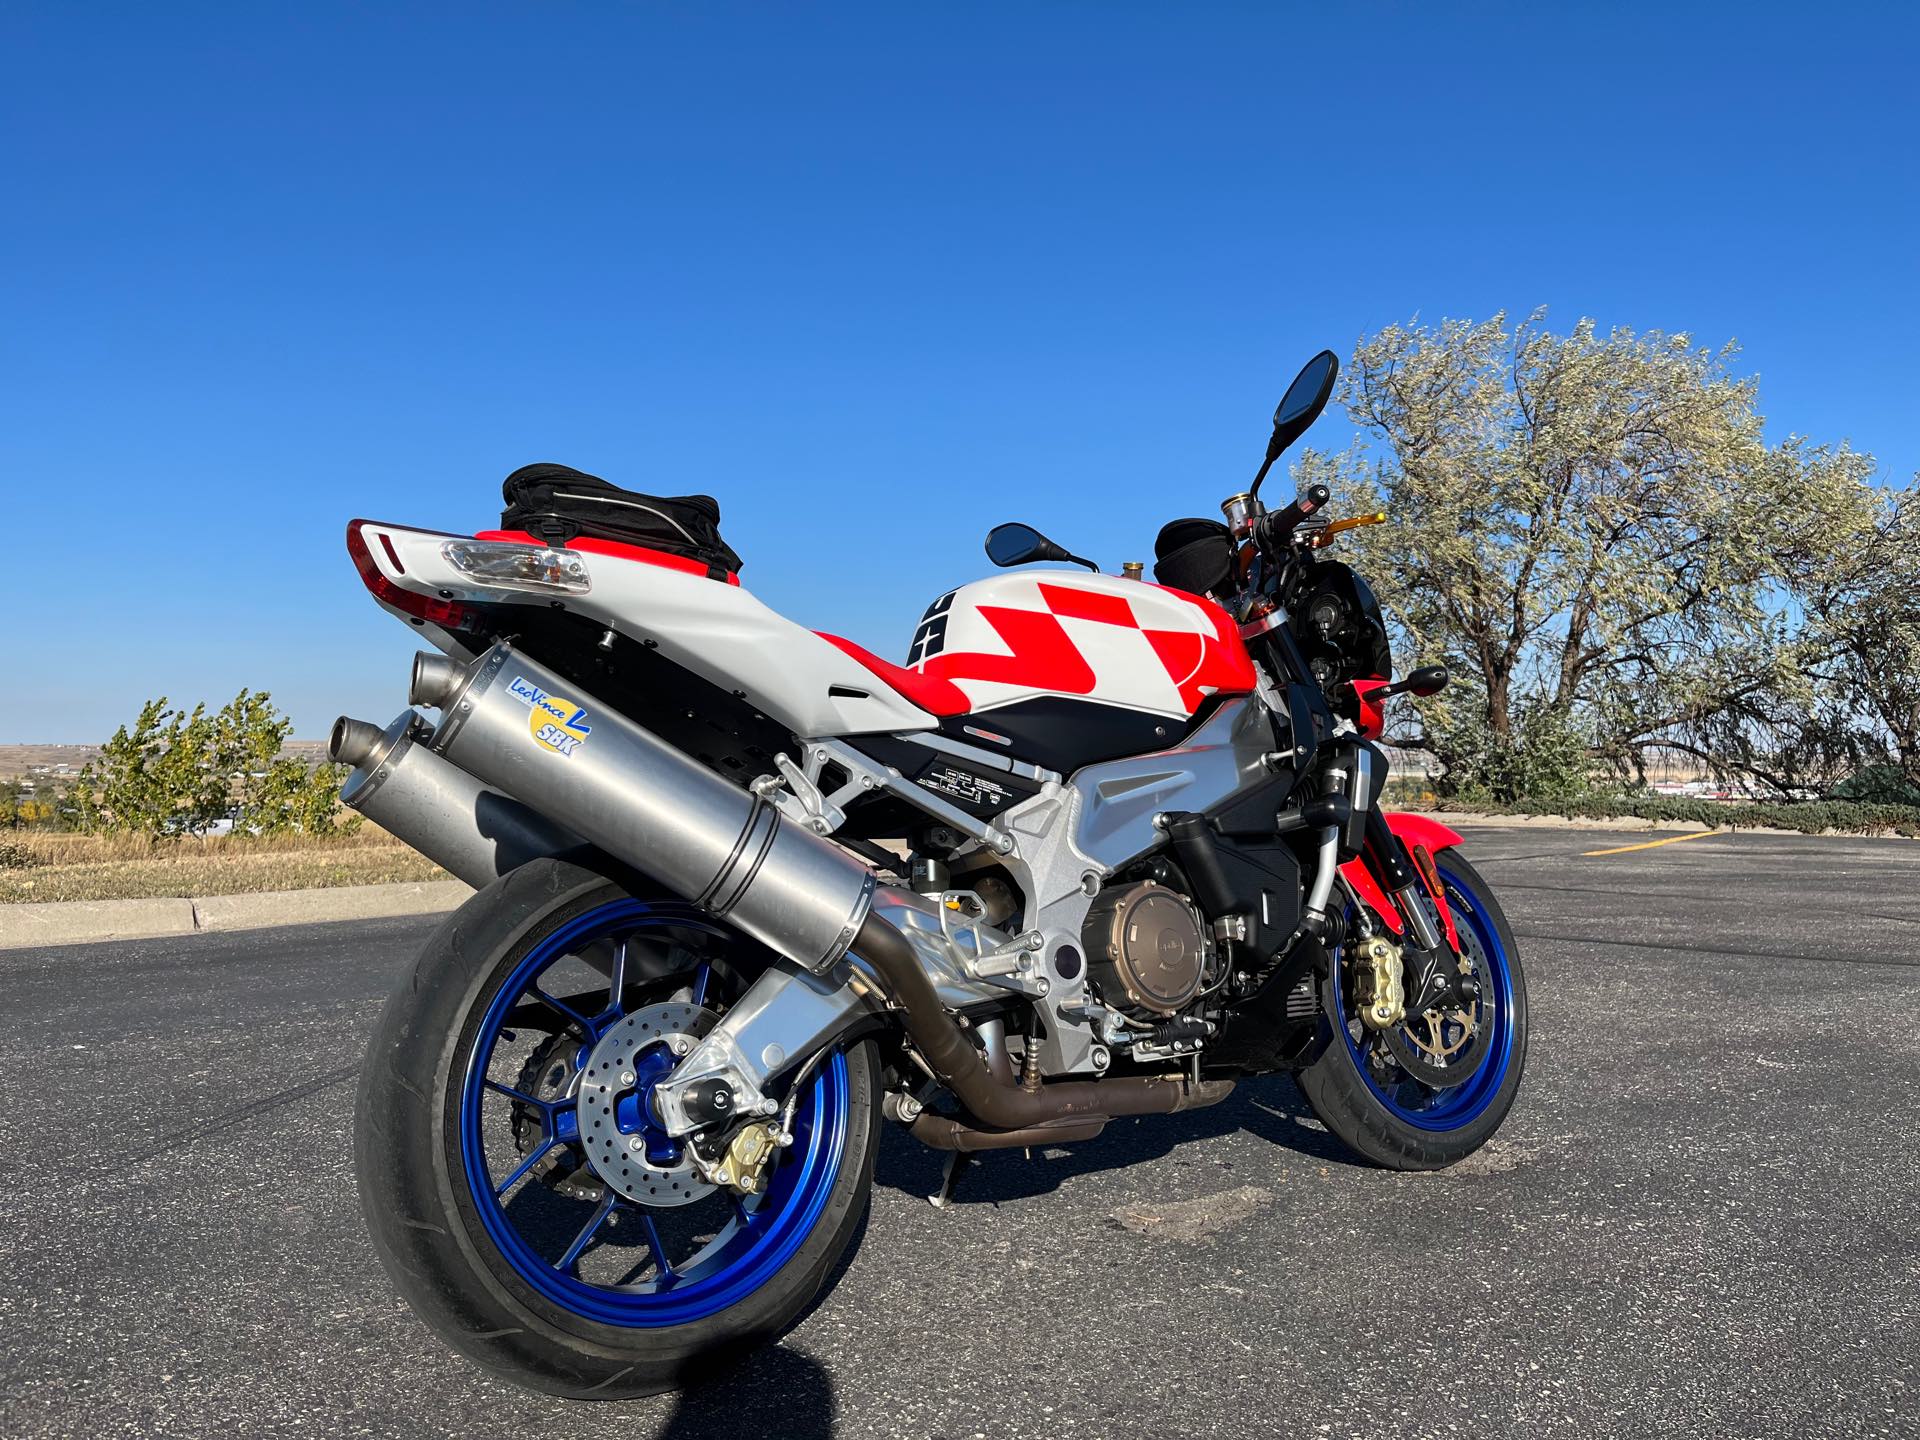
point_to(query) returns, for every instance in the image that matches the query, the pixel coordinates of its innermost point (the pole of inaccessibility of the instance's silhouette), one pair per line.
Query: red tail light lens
(422, 609)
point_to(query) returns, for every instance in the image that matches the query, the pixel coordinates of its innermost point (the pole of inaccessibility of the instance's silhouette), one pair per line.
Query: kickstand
(958, 1162)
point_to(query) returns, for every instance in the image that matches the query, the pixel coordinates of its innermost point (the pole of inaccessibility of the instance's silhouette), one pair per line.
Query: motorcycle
(1101, 847)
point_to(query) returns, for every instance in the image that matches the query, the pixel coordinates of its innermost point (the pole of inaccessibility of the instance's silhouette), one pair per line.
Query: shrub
(1811, 817)
(1545, 757)
(177, 772)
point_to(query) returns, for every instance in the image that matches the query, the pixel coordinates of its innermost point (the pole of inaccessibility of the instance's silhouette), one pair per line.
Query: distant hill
(63, 762)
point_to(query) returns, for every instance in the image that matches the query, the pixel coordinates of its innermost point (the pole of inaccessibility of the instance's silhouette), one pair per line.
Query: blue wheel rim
(747, 1251)
(1452, 1109)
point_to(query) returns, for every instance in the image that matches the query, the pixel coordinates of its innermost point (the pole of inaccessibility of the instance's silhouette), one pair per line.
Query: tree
(177, 772)
(1592, 532)
(1862, 716)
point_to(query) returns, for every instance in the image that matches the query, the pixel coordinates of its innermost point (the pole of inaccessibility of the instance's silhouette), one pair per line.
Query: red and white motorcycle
(1100, 847)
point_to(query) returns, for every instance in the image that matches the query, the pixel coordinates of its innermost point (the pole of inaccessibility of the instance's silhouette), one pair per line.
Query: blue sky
(876, 277)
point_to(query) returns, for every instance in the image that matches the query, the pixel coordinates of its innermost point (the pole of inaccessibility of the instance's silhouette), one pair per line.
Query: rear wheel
(1372, 1089)
(517, 1189)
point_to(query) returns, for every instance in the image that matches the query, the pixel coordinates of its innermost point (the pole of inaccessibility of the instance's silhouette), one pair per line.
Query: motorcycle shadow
(772, 1391)
(1269, 1107)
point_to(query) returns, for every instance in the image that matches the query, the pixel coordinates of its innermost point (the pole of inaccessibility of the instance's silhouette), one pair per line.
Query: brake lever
(1324, 536)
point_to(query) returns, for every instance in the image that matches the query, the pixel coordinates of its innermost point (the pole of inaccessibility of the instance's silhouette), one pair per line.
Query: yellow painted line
(1651, 844)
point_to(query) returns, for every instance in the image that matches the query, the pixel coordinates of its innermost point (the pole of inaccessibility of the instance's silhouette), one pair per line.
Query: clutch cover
(1146, 946)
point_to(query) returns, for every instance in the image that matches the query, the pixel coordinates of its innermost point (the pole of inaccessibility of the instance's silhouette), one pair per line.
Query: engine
(1146, 948)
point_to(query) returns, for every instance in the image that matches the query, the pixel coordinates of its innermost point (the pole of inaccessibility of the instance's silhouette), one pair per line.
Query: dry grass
(36, 866)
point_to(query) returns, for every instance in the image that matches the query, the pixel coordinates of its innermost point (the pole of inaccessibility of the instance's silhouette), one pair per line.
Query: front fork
(1388, 869)
(1352, 828)
(1414, 894)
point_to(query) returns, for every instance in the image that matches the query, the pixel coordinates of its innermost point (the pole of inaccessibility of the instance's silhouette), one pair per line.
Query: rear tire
(412, 1155)
(1384, 1128)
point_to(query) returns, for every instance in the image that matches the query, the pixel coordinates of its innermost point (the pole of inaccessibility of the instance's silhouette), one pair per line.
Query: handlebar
(1278, 526)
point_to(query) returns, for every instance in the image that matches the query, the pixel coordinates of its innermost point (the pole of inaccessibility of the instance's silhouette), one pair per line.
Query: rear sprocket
(552, 1072)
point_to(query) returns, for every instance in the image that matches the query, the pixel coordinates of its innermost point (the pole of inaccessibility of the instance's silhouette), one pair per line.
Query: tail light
(421, 609)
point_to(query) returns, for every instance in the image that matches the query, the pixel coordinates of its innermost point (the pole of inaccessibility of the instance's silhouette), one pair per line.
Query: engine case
(1146, 947)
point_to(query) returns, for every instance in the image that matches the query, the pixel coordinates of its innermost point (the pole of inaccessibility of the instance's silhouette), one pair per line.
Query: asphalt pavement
(1702, 1218)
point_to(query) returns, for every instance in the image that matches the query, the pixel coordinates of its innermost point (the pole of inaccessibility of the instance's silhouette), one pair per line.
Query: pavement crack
(100, 1164)
(1895, 919)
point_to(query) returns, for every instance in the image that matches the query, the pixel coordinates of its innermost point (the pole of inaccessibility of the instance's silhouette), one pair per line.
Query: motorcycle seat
(934, 695)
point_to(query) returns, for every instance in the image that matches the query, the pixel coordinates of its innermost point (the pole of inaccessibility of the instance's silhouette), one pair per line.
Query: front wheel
(1369, 1087)
(517, 1188)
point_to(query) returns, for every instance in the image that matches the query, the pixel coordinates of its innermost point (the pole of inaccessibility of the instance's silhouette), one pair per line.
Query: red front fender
(1413, 830)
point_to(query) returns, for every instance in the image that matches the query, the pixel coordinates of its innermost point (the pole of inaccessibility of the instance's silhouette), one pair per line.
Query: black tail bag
(558, 504)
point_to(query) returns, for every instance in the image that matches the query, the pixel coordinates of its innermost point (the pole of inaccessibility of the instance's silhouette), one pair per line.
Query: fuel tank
(1064, 668)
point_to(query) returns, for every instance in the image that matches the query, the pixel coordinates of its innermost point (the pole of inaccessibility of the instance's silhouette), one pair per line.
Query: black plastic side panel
(1259, 879)
(1063, 734)
(976, 788)
(1249, 814)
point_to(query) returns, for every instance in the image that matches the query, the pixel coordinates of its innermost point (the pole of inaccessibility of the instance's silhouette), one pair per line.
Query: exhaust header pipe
(437, 808)
(514, 724)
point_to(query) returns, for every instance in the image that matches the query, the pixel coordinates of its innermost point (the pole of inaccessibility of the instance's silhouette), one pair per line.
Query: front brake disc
(1444, 1048)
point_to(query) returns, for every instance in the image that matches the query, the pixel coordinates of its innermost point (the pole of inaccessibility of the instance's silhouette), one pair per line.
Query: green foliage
(177, 772)
(22, 804)
(1593, 533)
(1544, 754)
(1878, 785)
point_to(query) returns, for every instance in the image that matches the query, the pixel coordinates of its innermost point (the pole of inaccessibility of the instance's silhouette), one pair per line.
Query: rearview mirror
(1017, 544)
(1306, 397)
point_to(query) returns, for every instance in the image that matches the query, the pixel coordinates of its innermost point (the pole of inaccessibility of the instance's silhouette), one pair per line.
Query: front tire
(1395, 1121)
(492, 1225)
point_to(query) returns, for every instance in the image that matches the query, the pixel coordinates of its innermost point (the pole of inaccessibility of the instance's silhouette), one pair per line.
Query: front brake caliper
(1377, 970)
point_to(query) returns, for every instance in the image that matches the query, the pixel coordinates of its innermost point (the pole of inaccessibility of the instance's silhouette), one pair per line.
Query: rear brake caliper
(742, 1167)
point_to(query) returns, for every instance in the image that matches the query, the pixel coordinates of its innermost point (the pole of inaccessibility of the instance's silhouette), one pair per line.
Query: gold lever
(1352, 522)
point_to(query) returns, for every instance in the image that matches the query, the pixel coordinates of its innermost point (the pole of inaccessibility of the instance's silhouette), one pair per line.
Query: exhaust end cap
(354, 742)
(436, 679)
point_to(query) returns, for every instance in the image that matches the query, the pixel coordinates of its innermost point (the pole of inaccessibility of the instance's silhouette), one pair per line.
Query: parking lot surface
(1702, 1218)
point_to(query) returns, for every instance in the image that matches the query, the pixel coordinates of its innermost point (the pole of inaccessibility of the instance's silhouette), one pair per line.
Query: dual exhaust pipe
(513, 728)
(464, 827)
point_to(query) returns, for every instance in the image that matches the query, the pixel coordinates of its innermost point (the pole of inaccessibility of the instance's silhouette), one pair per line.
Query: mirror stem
(1265, 466)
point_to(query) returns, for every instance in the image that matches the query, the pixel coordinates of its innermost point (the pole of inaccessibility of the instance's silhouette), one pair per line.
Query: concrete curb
(1470, 819)
(1474, 819)
(347, 902)
(68, 922)
(73, 922)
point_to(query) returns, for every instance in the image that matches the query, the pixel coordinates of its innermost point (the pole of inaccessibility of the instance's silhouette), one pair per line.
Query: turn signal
(502, 564)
